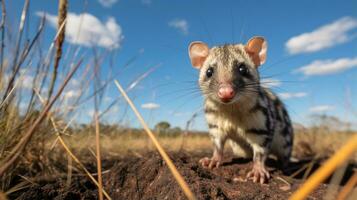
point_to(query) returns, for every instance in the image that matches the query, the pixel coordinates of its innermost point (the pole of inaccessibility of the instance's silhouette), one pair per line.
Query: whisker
(180, 91)
(184, 103)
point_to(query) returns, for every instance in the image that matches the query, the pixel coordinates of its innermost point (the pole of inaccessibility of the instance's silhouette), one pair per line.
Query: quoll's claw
(259, 174)
(210, 162)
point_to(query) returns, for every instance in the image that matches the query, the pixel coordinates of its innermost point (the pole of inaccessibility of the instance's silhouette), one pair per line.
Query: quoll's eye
(243, 70)
(209, 72)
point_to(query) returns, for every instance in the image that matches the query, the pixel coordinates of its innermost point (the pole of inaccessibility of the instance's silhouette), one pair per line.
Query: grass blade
(158, 146)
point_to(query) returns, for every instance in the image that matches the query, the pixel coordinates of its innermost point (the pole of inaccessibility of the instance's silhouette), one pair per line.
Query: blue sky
(312, 55)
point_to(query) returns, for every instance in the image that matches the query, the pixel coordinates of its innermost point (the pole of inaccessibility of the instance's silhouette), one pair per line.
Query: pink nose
(226, 92)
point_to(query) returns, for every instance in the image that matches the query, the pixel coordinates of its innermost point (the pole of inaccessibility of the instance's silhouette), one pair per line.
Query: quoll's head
(229, 73)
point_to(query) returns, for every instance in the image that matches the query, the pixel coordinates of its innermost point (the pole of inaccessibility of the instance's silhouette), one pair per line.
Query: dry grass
(307, 145)
(335, 164)
(318, 144)
(24, 121)
(124, 143)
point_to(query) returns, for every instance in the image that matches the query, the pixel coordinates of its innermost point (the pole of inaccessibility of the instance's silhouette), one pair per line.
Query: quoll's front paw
(210, 162)
(259, 174)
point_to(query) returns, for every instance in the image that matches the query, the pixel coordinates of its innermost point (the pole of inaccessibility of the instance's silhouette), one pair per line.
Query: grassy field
(307, 144)
(41, 164)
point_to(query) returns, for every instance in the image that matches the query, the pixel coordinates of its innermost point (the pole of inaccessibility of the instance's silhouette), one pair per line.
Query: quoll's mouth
(226, 100)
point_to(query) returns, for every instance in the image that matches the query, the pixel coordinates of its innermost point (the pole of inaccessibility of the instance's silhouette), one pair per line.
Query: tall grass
(62, 15)
(29, 70)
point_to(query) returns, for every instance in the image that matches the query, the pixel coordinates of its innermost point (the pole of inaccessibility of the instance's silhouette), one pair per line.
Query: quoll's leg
(216, 160)
(259, 173)
(260, 140)
(241, 149)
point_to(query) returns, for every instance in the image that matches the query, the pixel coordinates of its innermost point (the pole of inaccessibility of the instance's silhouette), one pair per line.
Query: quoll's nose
(226, 93)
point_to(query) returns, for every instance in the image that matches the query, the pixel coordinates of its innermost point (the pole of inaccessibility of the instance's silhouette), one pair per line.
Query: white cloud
(107, 3)
(323, 67)
(146, 2)
(23, 106)
(270, 82)
(321, 108)
(75, 82)
(87, 30)
(150, 106)
(114, 109)
(71, 94)
(180, 24)
(287, 95)
(90, 112)
(108, 99)
(323, 37)
(27, 81)
(179, 114)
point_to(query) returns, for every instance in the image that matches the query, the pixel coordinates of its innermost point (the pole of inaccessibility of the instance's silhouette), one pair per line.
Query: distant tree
(162, 127)
(176, 130)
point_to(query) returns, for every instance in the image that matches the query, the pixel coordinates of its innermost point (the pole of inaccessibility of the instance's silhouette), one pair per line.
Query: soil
(146, 176)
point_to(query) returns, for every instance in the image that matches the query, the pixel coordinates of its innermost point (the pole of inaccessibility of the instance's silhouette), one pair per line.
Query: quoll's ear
(257, 50)
(198, 52)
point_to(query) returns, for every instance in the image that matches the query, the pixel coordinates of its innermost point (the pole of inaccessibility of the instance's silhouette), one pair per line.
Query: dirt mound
(146, 176)
(149, 178)
(81, 188)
